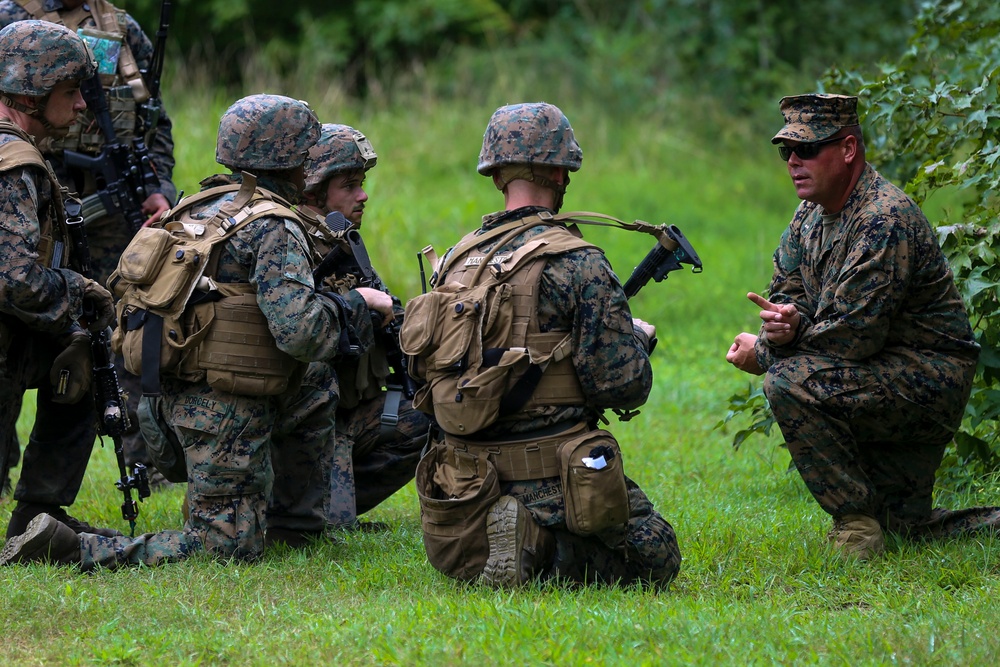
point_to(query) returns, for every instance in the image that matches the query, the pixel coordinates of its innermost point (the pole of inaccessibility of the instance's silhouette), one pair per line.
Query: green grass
(757, 586)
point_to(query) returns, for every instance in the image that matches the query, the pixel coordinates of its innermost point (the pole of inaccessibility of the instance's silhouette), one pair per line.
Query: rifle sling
(152, 333)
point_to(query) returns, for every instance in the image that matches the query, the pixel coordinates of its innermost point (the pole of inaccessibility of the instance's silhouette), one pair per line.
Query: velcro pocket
(593, 480)
(140, 262)
(439, 327)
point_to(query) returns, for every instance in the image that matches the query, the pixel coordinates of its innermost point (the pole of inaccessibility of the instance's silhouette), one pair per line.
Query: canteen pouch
(596, 497)
(455, 493)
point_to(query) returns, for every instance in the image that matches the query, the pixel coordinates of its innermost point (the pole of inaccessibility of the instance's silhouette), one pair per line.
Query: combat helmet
(36, 55)
(534, 133)
(266, 132)
(340, 148)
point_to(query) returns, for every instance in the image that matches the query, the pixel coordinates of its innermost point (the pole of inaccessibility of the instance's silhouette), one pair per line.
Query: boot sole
(31, 545)
(502, 566)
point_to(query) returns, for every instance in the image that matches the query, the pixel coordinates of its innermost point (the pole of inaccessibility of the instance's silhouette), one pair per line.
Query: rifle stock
(669, 254)
(124, 173)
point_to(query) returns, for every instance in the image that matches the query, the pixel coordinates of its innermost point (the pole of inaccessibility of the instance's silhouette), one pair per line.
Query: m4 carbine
(351, 258)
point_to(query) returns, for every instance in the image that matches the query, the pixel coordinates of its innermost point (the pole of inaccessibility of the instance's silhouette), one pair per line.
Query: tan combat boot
(857, 535)
(45, 540)
(519, 547)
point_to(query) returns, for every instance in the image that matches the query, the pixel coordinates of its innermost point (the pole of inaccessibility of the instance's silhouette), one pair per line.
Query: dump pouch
(164, 449)
(593, 481)
(455, 493)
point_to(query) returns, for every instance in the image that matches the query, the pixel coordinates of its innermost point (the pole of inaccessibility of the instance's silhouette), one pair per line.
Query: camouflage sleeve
(161, 145)
(871, 287)
(10, 11)
(45, 299)
(306, 325)
(787, 286)
(610, 360)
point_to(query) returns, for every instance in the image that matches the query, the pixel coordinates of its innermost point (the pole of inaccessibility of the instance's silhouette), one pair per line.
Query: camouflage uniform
(368, 461)
(578, 293)
(107, 235)
(581, 293)
(39, 305)
(40, 298)
(875, 382)
(227, 438)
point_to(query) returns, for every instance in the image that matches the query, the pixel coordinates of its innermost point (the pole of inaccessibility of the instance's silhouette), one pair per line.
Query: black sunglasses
(806, 151)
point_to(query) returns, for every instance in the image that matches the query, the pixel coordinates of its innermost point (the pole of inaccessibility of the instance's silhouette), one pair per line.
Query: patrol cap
(815, 117)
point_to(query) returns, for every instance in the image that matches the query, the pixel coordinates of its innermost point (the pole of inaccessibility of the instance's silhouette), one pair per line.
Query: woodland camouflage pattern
(266, 132)
(340, 148)
(38, 306)
(875, 383)
(227, 439)
(580, 293)
(531, 133)
(363, 466)
(160, 145)
(810, 118)
(108, 235)
(36, 55)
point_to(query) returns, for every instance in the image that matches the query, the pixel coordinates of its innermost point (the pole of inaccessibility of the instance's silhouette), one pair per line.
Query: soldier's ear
(29, 101)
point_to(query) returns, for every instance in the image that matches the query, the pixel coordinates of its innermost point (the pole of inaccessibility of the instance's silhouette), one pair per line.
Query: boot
(296, 539)
(857, 535)
(45, 540)
(24, 512)
(519, 548)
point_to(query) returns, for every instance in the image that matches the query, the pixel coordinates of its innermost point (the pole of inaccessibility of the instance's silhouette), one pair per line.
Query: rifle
(109, 399)
(124, 174)
(149, 112)
(671, 251)
(355, 261)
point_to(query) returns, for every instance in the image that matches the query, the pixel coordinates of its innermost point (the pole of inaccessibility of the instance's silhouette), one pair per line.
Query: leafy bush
(932, 120)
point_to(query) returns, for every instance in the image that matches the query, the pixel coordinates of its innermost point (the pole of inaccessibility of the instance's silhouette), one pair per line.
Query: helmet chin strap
(38, 113)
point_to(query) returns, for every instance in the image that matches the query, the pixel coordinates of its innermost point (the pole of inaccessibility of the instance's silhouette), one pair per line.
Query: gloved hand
(72, 370)
(98, 305)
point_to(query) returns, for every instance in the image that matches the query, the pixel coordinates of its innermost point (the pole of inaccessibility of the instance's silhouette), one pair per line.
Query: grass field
(757, 585)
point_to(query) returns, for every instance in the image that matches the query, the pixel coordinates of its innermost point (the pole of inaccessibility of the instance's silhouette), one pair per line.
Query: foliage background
(674, 103)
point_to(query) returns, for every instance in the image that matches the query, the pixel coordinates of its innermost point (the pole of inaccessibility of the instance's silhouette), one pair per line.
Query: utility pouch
(165, 451)
(593, 480)
(455, 493)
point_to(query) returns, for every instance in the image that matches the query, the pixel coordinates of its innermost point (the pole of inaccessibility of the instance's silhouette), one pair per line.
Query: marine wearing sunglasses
(806, 151)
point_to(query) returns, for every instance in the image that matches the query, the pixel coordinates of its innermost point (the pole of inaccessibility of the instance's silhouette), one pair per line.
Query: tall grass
(757, 585)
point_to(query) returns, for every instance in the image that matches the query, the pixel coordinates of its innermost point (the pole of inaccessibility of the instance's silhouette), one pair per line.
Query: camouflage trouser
(303, 438)
(647, 551)
(367, 466)
(62, 437)
(227, 450)
(107, 238)
(862, 448)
